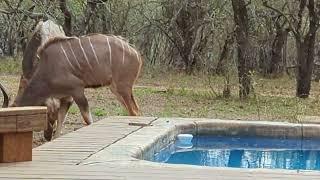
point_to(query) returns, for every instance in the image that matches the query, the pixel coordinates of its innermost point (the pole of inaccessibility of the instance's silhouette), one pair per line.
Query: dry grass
(181, 96)
(176, 95)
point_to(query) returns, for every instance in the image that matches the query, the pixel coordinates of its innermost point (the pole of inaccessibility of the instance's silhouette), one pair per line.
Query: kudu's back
(90, 61)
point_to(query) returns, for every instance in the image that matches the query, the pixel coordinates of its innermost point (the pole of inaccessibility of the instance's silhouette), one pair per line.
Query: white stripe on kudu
(75, 57)
(65, 54)
(122, 51)
(110, 58)
(130, 48)
(94, 52)
(121, 41)
(84, 53)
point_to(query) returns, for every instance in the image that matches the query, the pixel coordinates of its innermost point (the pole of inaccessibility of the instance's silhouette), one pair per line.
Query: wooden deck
(63, 159)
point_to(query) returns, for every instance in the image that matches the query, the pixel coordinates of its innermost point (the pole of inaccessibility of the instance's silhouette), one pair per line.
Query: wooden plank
(23, 119)
(35, 122)
(15, 147)
(8, 124)
(16, 111)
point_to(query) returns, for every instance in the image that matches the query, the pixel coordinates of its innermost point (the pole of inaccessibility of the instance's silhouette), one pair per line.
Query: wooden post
(16, 129)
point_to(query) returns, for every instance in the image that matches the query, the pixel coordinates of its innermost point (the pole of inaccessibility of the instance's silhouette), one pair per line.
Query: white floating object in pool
(184, 140)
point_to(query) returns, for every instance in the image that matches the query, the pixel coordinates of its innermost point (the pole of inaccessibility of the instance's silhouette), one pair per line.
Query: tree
(275, 66)
(241, 21)
(304, 26)
(188, 30)
(67, 25)
(224, 54)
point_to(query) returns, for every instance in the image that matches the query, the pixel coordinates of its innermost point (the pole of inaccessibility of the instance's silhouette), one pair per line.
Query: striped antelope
(57, 108)
(68, 65)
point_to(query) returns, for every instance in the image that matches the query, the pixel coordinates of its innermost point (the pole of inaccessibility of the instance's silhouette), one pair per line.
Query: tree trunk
(305, 52)
(242, 37)
(224, 54)
(90, 20)
(305, 58)
(105, 23)
(67, 25)
(276, 66)
(187, 27)
(284, 53)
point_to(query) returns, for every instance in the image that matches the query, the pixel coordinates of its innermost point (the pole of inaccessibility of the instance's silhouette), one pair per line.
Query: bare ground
(177, 95)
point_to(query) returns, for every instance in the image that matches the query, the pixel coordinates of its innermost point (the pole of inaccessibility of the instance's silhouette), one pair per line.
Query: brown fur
(53, 41)
(67, 67)
(43, 32)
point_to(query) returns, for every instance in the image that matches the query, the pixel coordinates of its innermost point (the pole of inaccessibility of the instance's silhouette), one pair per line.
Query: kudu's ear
(5, 97)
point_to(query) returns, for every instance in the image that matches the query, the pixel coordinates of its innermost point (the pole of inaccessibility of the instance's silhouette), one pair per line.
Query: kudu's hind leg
(136, 107)
(65, 104)
(83, 105)
(124, 95)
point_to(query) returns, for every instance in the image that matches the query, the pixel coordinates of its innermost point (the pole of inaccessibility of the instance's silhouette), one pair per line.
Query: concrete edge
(141, 145)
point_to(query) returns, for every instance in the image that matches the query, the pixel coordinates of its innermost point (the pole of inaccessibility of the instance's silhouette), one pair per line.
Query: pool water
(245, 152)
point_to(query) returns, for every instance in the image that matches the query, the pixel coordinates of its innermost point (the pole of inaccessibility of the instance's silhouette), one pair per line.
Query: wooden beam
(23, 119)
(36, 122)
(15, 147)
(14, 111)
(8, 124)
(16, 129)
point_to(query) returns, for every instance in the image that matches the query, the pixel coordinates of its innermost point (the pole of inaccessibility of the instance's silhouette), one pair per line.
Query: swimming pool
(245, 152)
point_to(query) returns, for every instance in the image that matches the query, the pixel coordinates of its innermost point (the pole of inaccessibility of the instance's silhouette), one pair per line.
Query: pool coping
(141, 144)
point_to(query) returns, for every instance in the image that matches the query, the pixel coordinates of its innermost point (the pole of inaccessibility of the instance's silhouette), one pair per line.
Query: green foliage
(73, 110)
(119, 110)
(10, 65)
(77, 7)
(100, 112)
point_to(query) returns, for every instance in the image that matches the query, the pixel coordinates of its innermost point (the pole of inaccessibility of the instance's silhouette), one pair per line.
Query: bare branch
(300, 13)
(294, 31)
(5, 12)
(32, 15)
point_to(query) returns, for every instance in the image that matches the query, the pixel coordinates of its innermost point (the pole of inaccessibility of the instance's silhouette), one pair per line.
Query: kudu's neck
(30, 55)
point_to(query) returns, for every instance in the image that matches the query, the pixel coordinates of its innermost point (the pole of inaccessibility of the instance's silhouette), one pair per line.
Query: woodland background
(251, 49)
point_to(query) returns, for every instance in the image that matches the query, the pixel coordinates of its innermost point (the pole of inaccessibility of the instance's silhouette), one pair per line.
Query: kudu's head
(42, 32)
(28, 65)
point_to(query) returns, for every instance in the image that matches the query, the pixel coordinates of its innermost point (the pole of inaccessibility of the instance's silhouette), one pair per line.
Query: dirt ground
(74, 120)
(176, 95)
(102, 104)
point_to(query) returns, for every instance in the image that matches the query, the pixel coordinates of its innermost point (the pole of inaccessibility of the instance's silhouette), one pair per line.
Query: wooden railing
(16, 132)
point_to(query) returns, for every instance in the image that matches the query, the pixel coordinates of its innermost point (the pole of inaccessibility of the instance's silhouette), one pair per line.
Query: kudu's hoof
(48, 135)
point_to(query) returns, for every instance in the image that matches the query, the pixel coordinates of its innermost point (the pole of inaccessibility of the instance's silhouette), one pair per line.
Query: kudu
(57, 108)
(68, 65)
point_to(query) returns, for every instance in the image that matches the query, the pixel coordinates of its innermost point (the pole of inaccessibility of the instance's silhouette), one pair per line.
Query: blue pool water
(245, 152)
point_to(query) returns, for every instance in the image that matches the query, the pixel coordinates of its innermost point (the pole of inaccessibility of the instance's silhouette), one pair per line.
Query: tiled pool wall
(281, 130)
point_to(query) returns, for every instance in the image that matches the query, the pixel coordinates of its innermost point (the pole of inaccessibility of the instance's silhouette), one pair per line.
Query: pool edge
(132, 150)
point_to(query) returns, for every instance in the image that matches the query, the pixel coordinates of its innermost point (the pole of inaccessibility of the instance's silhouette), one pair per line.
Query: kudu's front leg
(49, 131)
(65, 104)
(83, 105)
